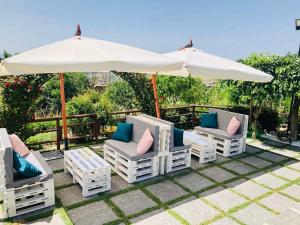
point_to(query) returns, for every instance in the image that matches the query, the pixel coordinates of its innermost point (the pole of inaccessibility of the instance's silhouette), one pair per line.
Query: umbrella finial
(78, 31)
(189, 45)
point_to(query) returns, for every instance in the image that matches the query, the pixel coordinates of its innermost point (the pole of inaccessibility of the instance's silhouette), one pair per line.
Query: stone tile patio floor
(257, 187)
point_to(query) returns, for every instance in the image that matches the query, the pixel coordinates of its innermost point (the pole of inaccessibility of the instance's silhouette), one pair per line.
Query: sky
(228, 28)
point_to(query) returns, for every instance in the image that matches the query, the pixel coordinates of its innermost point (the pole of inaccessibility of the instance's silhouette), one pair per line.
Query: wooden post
(58, 134)
(155, 96)
(63, 110)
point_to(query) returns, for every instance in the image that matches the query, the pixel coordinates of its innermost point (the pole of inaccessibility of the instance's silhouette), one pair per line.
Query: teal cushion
(209, 120)
(178, 137)
(23, 167)
(123, 132)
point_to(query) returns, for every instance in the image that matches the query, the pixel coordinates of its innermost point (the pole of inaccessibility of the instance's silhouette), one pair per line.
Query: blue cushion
(23, 167)
(178, 137)
(209, 120)
(123, 132)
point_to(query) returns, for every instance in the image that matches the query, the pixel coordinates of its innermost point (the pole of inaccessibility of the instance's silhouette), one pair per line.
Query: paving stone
(279, 202)
(162, 218)
(254, 215)
(294, 165)
(71, 195)
(220, 159)
(217, 174)
(225, 199)
(62, 178)
(92, 214)
(212, 191)
(133, 202)
(287, 217)
(166, 190)
(270, 180)
(272, 157)
(238, 167)
(196, 165)
(257, 162)
(195, 211)
(252, 149)
(293, 191)
(98, 148)
(248, 188)
(118, 184)
(56, 164)
(194, 181)
(225, 221)
(287, 173)
(145, 216)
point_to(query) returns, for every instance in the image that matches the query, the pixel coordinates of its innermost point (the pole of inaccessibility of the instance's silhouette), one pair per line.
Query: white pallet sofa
(20, 196)
(171, 158)
(226, 145)
(123, 156)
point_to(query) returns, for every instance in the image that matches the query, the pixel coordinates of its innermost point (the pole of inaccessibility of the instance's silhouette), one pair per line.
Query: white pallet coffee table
(89, 170)
(205, 150)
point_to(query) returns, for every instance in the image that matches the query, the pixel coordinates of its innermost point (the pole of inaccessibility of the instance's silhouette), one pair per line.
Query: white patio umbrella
(201, 64)
(81, 54)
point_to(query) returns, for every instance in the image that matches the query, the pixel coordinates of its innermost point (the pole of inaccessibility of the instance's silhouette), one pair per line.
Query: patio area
(255, 187)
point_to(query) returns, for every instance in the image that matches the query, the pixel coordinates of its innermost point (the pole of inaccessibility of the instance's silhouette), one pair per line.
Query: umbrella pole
(155, 96)
(63, 110)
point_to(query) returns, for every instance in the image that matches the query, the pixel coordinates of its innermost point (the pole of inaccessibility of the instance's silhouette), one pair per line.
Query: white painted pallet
(164, 139)
(178, 160)
(225, 147)
(89, 170)
(28, 198)
(204, 149)
(131, 171)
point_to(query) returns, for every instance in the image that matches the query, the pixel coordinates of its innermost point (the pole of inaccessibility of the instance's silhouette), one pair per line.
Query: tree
(18, 99)
(50, 102)
(288, 83)
(122, 95)
(180, 90)
(258, 95)
(142, 88)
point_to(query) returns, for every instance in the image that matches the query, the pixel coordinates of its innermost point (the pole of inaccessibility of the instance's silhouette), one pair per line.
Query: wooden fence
(183, 116)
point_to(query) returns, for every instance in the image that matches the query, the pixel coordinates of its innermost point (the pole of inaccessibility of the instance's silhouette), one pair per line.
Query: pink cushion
(18, 145)
(233, 126)
(145, 142)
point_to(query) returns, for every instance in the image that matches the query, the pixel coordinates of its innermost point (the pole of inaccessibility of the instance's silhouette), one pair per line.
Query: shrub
(18, 100)
(90, 102)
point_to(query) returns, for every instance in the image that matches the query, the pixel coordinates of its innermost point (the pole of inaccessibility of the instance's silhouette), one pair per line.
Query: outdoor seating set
(143, 147)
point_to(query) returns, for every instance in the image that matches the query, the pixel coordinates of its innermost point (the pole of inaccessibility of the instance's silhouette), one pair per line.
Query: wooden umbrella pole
(155, 96)
(63, 110)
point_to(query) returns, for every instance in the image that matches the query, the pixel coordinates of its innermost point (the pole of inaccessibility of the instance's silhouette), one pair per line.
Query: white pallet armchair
(226, 145)
(123, 156)
(171, 158)
(24, 195)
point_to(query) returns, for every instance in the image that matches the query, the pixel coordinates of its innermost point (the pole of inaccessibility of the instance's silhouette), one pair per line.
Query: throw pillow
(18, 145)
(209, 120)
(145, 142)
(23, 167)
(233, 125)
(178, 137)
(123, 132)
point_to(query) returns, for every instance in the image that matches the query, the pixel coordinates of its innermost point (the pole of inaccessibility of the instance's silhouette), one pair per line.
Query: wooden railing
(183, 116)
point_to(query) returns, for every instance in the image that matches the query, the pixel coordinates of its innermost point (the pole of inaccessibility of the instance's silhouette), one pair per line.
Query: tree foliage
(121, 94)
(142, 88)
(18, 100)
(50, 103)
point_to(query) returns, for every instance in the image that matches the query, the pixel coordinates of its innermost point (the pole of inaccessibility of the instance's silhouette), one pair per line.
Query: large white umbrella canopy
(81, 54)
(201, 64)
